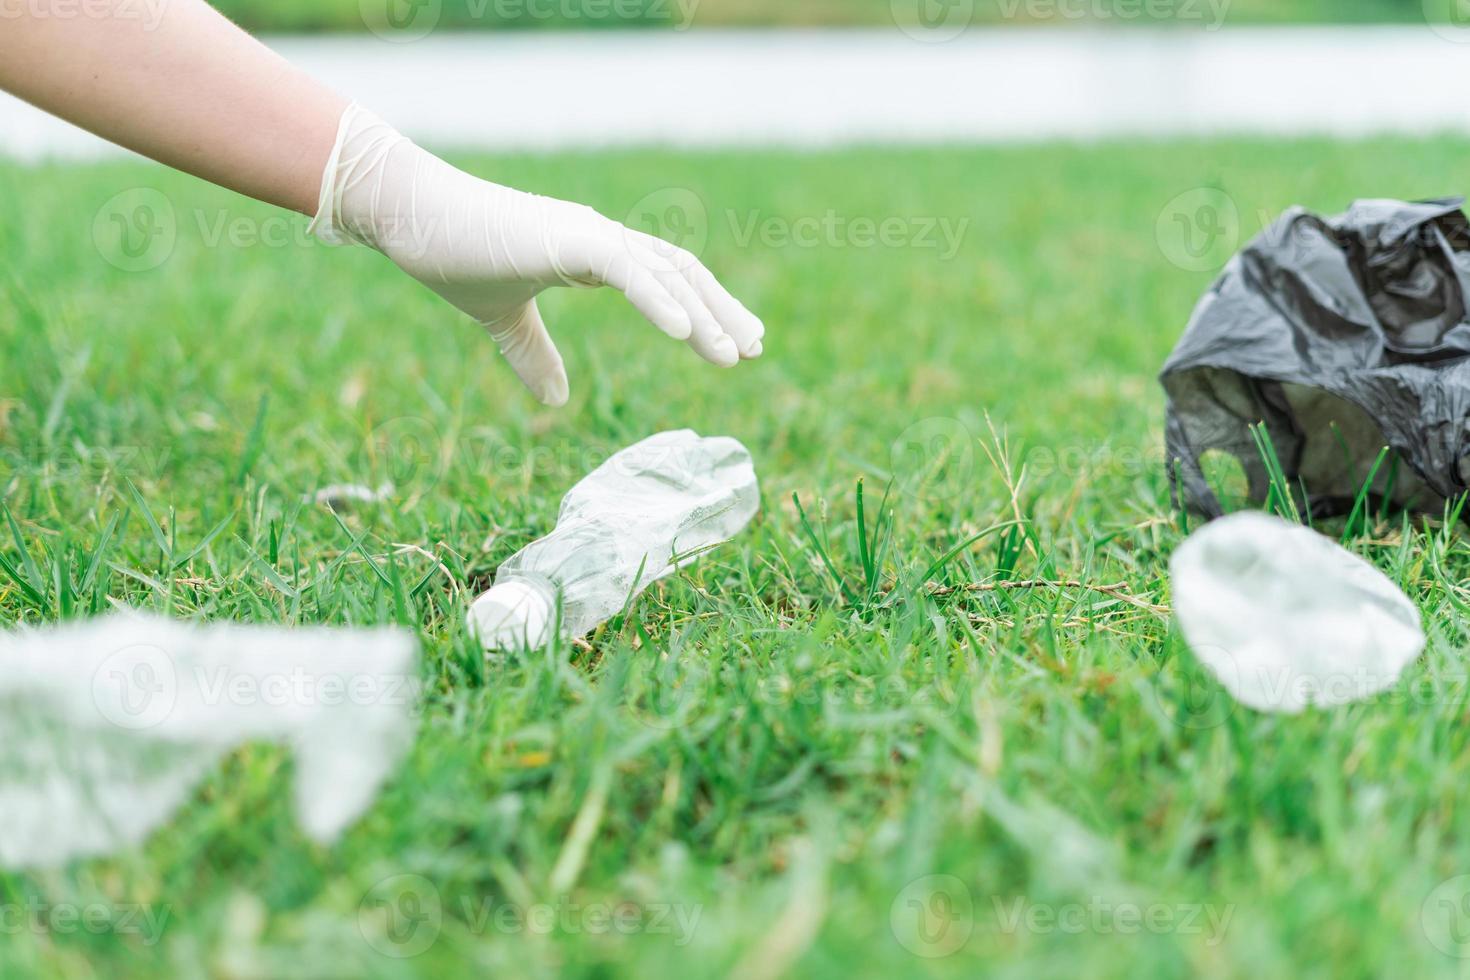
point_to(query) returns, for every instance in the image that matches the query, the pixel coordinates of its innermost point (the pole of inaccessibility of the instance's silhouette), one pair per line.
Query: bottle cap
(514, 615)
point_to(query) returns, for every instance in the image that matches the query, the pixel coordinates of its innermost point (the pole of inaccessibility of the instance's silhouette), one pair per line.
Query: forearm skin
(177, 82)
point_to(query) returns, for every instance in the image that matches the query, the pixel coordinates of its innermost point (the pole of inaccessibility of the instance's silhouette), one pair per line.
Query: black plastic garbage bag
(1343, 336)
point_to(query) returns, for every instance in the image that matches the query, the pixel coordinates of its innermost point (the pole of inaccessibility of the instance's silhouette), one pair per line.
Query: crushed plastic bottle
(1286, 618)
(647, 510)
(108, 725)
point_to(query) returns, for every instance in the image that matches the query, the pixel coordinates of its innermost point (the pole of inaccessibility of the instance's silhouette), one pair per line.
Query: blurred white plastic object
(1286, 618)
(649, 509)
(107, 726)
(344, 496)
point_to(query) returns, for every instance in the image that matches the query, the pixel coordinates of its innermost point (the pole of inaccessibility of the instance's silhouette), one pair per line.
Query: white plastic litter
(343, 496)
(1286, 618)
(107, 726)
(649, 509)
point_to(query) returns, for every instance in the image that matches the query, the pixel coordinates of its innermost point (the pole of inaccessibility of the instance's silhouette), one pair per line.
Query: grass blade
(253, 442)
(89, 577)
(158, 536)
(357, 543)
(1360, 502)
(26, 588)
(954, 552)
(822, 552)
(34, 577)
(208, 539)
(284, 587)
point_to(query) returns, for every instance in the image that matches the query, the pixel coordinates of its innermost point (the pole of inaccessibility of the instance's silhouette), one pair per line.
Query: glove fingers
(523, 339)
(649, 296)
(706, 337)
(742, 326)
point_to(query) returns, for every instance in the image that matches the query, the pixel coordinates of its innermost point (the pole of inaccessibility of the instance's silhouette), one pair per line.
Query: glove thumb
(523, 339)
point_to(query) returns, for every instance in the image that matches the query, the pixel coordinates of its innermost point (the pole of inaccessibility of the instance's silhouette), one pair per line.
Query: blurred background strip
(909, 84)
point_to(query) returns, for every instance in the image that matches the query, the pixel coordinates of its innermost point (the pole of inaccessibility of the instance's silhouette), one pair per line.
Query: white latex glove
(490, 251)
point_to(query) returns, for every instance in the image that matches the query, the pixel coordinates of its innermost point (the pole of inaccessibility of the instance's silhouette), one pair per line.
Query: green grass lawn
(766, 770)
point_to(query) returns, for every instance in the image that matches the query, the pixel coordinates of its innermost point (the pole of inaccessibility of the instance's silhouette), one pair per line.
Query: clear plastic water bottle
(649, 509)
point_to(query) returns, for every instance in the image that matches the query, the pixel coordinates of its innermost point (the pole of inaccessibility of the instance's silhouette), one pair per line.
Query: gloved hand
(491, 250)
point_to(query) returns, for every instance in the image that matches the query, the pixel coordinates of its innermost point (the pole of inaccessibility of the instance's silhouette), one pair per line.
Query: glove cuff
(352, 181)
